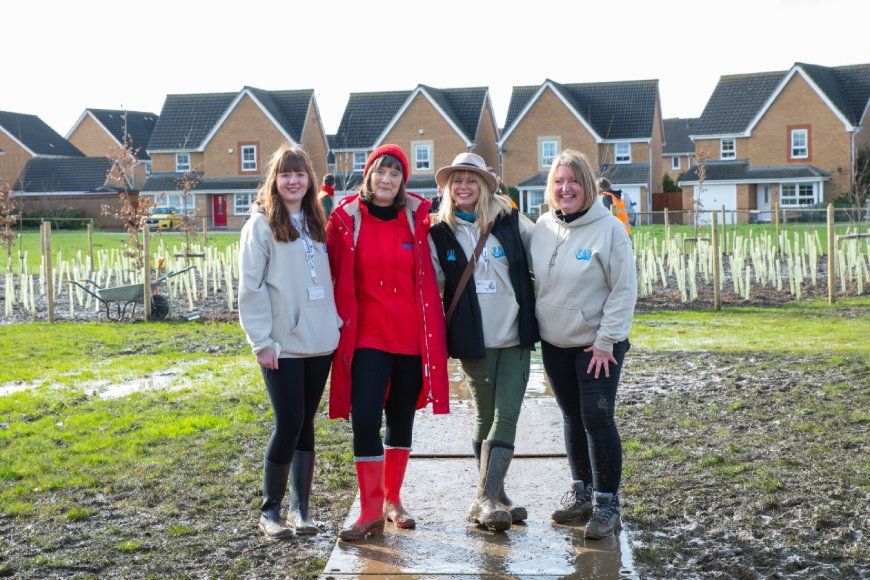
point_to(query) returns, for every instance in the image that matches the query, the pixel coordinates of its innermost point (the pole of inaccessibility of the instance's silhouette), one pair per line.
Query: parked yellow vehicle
(164, 218)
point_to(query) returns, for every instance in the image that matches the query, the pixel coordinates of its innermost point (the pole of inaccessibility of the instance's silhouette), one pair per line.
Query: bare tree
(859, 195)
(8, 219)
(700, 160)
(187, 184)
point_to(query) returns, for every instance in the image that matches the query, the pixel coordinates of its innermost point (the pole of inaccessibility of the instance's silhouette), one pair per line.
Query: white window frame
(422, 165)
(730, 153)
(546, 161)
(805, 147)
(246, 208)
(358, 159)
(802, 191)
(675, 163)
(246, 165)
(147, 165)
(624, 158)
(179, 166)
(526, 199)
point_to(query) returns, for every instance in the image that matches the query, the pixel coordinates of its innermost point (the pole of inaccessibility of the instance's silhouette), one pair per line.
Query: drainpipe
(649, 189)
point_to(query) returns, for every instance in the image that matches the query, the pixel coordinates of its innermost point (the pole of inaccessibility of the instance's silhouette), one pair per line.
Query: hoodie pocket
(316, 331)
(563, 326)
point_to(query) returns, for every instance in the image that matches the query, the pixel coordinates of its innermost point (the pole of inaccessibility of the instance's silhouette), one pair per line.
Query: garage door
(713, 197)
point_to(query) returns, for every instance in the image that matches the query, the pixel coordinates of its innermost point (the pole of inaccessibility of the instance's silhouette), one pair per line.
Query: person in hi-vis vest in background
(612, 199)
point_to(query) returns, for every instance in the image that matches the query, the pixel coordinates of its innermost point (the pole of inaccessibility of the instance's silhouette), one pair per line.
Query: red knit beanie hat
(394, 151)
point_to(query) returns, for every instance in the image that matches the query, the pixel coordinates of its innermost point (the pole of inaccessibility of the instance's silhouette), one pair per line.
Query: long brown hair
(287, 159)
(389, 162)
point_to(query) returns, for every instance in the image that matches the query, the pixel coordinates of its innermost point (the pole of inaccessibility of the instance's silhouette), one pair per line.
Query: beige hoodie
(278, 300)
(585, 279)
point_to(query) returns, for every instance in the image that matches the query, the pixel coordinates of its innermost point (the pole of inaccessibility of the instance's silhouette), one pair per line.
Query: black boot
(274, 486)
(518, 513)
(302, 472)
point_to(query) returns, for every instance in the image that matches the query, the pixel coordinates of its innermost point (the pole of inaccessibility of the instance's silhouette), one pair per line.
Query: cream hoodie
(585, 279)
(278, 300)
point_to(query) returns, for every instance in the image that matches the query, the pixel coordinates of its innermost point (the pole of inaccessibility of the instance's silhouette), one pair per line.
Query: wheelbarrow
(124, 297)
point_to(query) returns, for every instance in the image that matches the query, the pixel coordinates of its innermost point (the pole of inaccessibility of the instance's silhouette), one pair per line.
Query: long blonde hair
(489, 205)
(583, 173)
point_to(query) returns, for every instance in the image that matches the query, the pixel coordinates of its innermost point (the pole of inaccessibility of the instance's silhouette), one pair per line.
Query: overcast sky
(62, 57)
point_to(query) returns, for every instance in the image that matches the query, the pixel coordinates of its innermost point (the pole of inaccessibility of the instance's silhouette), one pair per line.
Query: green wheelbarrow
(124, 297)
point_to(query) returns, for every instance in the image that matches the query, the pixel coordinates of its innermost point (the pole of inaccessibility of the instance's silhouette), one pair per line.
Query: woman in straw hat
(586, 289)
(391, 356)
(491, 325)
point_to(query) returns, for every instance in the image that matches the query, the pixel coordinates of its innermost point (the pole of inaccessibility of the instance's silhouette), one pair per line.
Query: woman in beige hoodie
(586, 288)
(287, 310)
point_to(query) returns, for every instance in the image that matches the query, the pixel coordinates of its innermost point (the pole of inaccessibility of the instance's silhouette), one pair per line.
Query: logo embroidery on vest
(583, 254)
(497, 252)
(451, 256)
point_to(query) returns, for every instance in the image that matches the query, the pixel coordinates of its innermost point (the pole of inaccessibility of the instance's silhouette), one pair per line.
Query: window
(675, 163)
(549, 148)
(359, 160)
(422, 157)
(800, 143)
(182, 162)
(797, 194)
(147, 169)
(248, 157)
(727, 149)
(242, 203)
(533, 198)
(622, 153)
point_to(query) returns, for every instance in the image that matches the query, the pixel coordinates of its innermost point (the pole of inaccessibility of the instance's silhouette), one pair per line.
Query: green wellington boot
(487, 511)
(518, 513)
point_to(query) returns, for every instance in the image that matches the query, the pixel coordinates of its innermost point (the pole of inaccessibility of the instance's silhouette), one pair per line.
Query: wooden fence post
(146, 267)
(667, 224)
(714, 238)
(49, 271)
(832, 256)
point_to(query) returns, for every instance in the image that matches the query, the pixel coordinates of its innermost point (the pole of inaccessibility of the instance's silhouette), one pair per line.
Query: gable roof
(739, 101)
(36, 136)
(677, 139)
(65, 174)
(187, 122)
(140, 125)
(619, 110)
(368, 117)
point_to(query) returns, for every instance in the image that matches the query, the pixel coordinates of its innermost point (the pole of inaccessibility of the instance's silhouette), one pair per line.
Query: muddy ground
(735, 466)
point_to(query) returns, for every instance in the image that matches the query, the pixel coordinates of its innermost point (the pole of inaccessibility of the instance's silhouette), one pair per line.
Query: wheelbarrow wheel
(159, 307)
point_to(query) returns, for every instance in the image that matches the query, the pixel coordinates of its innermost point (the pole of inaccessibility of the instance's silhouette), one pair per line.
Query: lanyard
(308, 245)
(469, 229)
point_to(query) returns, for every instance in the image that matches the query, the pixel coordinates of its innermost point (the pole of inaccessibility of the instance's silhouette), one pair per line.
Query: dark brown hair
(389, 162)
(287, 159)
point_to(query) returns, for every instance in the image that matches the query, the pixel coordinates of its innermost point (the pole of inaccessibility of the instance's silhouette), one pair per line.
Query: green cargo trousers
(497, 384)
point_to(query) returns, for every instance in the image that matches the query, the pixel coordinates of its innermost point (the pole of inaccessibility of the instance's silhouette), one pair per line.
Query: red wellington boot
(370, 477)
(394, 474)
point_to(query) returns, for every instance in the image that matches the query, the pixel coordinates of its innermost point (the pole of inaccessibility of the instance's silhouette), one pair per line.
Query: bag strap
(466, 275)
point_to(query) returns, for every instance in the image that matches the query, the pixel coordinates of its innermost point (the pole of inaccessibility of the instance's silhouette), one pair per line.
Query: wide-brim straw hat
(467, 162)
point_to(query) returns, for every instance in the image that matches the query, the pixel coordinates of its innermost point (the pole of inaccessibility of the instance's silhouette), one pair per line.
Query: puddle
(160, 380)
(537, 386)
(17, 388)
(445, 544)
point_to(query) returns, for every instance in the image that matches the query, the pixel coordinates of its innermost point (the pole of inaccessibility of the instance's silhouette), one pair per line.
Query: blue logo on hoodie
(451, 256)
(583, 254)
(497, 252)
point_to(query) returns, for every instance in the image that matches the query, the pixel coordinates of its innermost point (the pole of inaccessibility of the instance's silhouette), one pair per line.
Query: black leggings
(591, 438)
(295, 389)
(371, 372)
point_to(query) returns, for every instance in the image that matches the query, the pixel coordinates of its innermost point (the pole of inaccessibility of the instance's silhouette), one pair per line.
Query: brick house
(617, 125)
(226, 141)
(24, 137)
(431, 125)
(678, 148)
(787, 136)
(100, 132)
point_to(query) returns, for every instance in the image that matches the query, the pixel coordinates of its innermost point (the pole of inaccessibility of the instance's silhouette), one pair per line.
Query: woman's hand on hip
(268, 358)
(600, 358)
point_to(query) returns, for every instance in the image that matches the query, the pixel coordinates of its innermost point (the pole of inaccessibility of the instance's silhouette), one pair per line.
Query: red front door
(219, 205)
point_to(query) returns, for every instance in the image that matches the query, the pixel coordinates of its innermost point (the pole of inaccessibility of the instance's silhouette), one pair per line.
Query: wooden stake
(667, 224)
(724, 232)
(832, 255)
(776, 223)
(91, 243)
(204, 231)
(49, 271)
(714, 238)
(146, 267)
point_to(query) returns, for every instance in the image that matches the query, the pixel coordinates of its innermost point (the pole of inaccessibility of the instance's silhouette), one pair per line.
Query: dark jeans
(372, 372)
(591, 438)
(294, 389)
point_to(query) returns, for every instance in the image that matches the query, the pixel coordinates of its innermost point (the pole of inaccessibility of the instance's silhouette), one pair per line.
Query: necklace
(559, 241)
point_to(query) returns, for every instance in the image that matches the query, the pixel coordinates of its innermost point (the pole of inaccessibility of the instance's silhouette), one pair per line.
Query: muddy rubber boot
(495, 458)
(274, 486)
(370, 478)
(301, 475)
(518, 513)
(605, 517)
(395, 464)
(576, 505)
